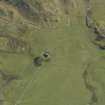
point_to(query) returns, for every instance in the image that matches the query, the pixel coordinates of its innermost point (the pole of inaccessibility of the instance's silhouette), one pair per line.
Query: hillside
(52, 52)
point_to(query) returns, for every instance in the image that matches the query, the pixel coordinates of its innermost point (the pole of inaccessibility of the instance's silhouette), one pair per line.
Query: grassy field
(74, 75)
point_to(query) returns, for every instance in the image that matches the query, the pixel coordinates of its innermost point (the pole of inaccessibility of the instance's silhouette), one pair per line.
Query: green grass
(59, 81)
